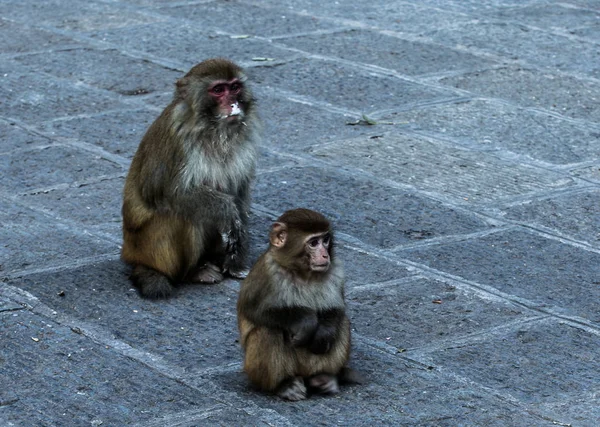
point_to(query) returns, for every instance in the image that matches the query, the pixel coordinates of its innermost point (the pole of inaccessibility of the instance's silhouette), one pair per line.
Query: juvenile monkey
(187, 194)
(291, 311)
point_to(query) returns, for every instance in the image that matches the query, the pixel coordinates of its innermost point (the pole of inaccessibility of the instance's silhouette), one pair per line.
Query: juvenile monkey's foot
(208, 273)
(292, 389)
(324, 384)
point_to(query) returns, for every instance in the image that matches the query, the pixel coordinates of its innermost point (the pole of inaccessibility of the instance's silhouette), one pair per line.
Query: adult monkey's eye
(218, 89)
(235, 87)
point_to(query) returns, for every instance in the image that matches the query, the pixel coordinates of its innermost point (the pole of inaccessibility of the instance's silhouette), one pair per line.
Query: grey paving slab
(118, 132)
(292, 126)
(106, 69)
(562, 94)
(256, 21)
(588, 32)
(92, 204)
(548, 16)
(9, 305)
(371, 47)
(189, 43)
(51, 165)
(43, 97)
(517, 262)
(369, 211)
(59, 377)
(101, 294)
(16, 39)
(354, 89)
(364, 270)
(512, 361)
(460, 174)
(417, 312)
(441, 400)
(401, 17)
(591, 173)
(13, 137)
(82, 16)
(270, 160)
(514, 41)
(485, 124)
(575, 215)
(474, 7)
(46, 244)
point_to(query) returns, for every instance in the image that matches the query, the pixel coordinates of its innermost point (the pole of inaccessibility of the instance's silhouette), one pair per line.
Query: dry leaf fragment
(437, 301)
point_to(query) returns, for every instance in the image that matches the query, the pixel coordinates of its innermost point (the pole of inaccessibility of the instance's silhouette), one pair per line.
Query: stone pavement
(455, 144)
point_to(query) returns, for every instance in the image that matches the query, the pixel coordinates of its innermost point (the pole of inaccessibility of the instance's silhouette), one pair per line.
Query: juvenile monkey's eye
(313, 243)
(326, 239)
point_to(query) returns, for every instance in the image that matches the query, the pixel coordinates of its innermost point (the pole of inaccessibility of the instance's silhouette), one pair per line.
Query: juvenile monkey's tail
(151, 283)
(351, 376)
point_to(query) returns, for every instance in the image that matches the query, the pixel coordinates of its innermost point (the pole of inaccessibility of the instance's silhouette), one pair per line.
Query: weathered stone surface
(46, 243)
(93, 204)
(117, 132)
(368, 211)
(391, 387)
(388, 52)
(43, 97)
(541, 270)
(457, 173)
(291, 126)
(354, 89)
(14, 138)
(106, 69)
(565, 95)
(567, 363)
(548, 16)
(59, 377)
(485, 124)
(88, 16)
(195, 330)
(575, 215)
(190, 44)
(44, 167)
(249, 19)
(16, 39)
(517, 42)
(417, 312)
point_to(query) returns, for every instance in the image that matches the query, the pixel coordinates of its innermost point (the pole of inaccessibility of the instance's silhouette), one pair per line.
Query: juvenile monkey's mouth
(320, 267)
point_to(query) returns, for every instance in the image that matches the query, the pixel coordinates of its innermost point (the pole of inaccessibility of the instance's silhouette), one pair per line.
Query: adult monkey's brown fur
(187, 194)
(291, 311)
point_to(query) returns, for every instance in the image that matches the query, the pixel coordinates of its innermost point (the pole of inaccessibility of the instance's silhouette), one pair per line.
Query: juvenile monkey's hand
(302, 331)
(322, 340)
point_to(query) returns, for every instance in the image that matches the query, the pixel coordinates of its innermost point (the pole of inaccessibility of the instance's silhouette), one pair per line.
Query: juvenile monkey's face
(228, 98)
(317, 249)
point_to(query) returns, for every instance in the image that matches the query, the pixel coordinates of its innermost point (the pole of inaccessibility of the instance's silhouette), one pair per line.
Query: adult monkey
(291, 311)
(187, 194)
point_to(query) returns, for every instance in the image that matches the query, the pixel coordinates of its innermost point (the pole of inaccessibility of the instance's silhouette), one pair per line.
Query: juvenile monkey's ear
(278, 234)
